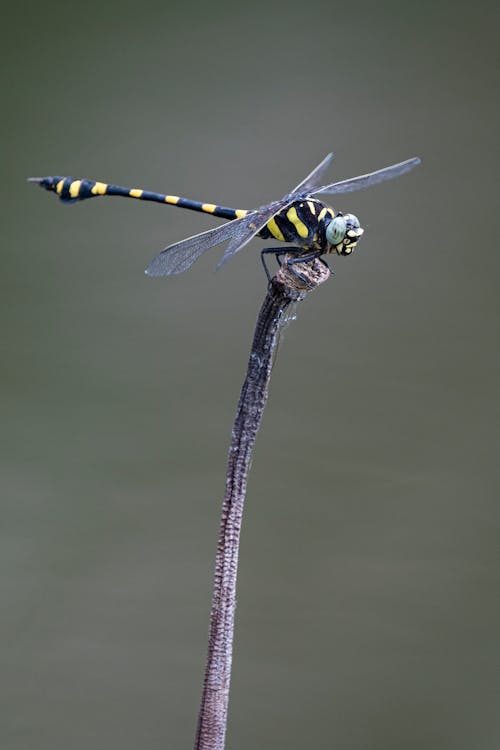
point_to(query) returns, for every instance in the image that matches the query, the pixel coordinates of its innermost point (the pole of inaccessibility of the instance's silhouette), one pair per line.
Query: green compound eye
(336, 229)
(352, 226)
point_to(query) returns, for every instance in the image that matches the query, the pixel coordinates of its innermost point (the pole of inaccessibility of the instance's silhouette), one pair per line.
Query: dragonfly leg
(278, 253)
(304, 259)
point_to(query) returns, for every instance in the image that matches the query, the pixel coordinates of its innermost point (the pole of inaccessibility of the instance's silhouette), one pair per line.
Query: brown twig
(284, 290)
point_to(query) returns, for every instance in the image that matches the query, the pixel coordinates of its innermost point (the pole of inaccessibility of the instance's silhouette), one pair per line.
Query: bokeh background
(368, 592)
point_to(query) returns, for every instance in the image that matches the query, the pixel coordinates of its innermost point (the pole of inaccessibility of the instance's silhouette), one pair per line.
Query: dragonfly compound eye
(353, 228)
(336, 229)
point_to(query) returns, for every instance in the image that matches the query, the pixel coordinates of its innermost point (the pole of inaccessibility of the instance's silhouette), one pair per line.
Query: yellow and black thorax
(302, 223)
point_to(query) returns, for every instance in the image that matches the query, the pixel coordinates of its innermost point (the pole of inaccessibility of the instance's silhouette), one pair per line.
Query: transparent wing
(306, 187)
(367, 180)
(258, 221)
(265, 213)
(179, 257)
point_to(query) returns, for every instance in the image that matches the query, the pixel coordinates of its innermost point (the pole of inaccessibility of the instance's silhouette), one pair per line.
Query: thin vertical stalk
(284, 290)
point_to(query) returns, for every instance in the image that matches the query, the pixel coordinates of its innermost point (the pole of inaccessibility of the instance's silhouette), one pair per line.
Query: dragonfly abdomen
(70, 191)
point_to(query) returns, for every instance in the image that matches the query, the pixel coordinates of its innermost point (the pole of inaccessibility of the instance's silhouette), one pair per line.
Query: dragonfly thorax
(311, 224)
(298, 223)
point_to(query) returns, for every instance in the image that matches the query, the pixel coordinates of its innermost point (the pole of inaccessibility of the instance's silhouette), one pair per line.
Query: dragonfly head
(343, 232)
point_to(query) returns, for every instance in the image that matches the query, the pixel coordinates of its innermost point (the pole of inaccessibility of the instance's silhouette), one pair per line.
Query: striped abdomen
(300, 223)
(70, 191)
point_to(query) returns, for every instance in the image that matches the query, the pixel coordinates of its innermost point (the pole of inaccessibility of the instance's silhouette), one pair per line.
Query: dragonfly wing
(264, 214)
(306, 187)
(179, 257)
(367, 180)
(257, 221)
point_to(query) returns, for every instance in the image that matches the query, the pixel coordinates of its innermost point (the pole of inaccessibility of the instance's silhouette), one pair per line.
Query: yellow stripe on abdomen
(135, 193)
(173, 199)
(299, 225)
(99, 188)
(74, 188)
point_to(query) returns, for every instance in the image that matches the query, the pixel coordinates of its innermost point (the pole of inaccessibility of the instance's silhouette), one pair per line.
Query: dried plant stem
(284, 290)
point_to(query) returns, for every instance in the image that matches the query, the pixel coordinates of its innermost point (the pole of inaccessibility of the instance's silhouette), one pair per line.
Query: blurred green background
(368, 592)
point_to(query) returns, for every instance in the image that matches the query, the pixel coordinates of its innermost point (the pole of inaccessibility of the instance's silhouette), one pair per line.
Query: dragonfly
(309, 227)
